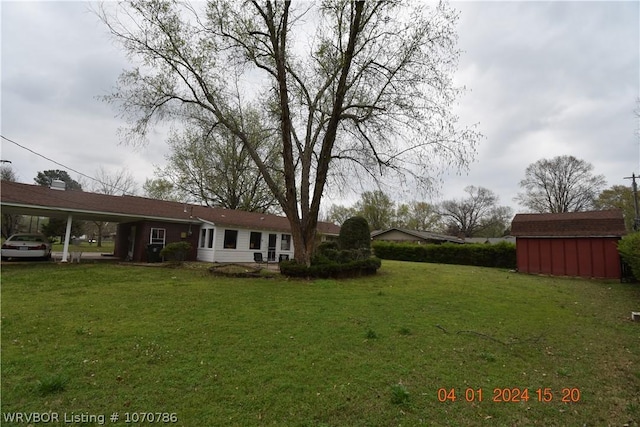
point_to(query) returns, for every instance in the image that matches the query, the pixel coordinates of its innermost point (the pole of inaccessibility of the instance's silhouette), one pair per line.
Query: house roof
(423, 235)
(607, 223)
(490, 240)
(43, 201)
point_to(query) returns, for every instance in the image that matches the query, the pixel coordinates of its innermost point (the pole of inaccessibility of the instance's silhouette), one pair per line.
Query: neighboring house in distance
(401, 235)
(490, 240)
(215, 234)
(580, 244)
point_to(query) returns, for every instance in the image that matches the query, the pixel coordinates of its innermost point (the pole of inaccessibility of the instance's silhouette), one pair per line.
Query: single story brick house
(580, 244)
(401, 235)
(215, 234)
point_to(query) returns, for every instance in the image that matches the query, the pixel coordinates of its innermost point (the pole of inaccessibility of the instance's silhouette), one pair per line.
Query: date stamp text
(509, 395)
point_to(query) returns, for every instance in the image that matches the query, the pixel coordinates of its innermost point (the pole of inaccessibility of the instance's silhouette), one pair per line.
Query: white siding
(242, 252)
(205, 253)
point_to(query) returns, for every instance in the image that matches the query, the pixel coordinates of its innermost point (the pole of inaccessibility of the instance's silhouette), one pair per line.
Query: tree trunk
(303, 241)
(100, 226)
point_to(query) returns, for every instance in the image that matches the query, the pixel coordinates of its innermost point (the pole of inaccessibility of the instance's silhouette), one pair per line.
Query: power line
(64, 166)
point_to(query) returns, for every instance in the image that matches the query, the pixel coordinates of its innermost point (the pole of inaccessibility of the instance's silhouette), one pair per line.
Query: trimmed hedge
(335, 270)
(501, 255)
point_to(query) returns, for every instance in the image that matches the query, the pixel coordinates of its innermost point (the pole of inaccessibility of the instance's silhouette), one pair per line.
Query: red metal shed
(569, 244)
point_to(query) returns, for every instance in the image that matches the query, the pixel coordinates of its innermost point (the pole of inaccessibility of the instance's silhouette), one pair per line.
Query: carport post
(67, 236)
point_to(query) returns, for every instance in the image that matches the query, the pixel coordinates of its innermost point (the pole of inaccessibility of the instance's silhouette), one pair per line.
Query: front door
(271, 249)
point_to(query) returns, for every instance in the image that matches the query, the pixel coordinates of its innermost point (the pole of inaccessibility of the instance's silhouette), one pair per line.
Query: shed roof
(607, 223)
(44, 201)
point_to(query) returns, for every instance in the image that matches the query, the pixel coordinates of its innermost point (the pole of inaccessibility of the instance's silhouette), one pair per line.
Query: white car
(27, 245)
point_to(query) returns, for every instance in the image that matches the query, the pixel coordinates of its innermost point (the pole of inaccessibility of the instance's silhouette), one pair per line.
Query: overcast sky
(543, 79)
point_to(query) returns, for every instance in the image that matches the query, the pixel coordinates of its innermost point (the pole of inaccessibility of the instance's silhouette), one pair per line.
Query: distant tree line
(560, 184)
(476, 215)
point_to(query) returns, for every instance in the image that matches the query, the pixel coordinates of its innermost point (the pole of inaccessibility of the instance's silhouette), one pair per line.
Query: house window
(255, 240)
(203, 237)
(157, 236)
(285, 242)
(206, 238)
(230, 239)
(211, 232)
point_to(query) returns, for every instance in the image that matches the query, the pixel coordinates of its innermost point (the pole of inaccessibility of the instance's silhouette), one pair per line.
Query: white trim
(206, 253)
(164, 236)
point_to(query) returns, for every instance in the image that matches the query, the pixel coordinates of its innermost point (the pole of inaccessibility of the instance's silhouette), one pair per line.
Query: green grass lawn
(98, 339)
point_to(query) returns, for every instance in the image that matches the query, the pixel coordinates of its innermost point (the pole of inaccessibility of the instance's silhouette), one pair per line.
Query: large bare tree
(478, 212)
(560, 184)
(211, 166)
(348, 87)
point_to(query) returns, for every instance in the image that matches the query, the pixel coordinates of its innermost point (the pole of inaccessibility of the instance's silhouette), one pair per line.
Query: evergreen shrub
(355, 234)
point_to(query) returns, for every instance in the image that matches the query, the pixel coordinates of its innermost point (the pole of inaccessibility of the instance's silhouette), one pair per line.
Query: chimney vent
(56, 184)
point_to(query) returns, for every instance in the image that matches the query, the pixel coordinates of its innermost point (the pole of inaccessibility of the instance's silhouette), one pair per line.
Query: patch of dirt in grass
(236, 270)
(196, 265)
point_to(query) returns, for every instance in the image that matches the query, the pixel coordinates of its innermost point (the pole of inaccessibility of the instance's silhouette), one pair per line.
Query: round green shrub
(355, 234)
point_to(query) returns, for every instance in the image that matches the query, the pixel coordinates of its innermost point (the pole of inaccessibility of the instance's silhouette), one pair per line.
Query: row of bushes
(335, 270)
(501, 255)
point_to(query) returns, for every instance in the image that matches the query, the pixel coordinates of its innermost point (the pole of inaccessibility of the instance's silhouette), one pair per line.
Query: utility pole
(634, 186)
